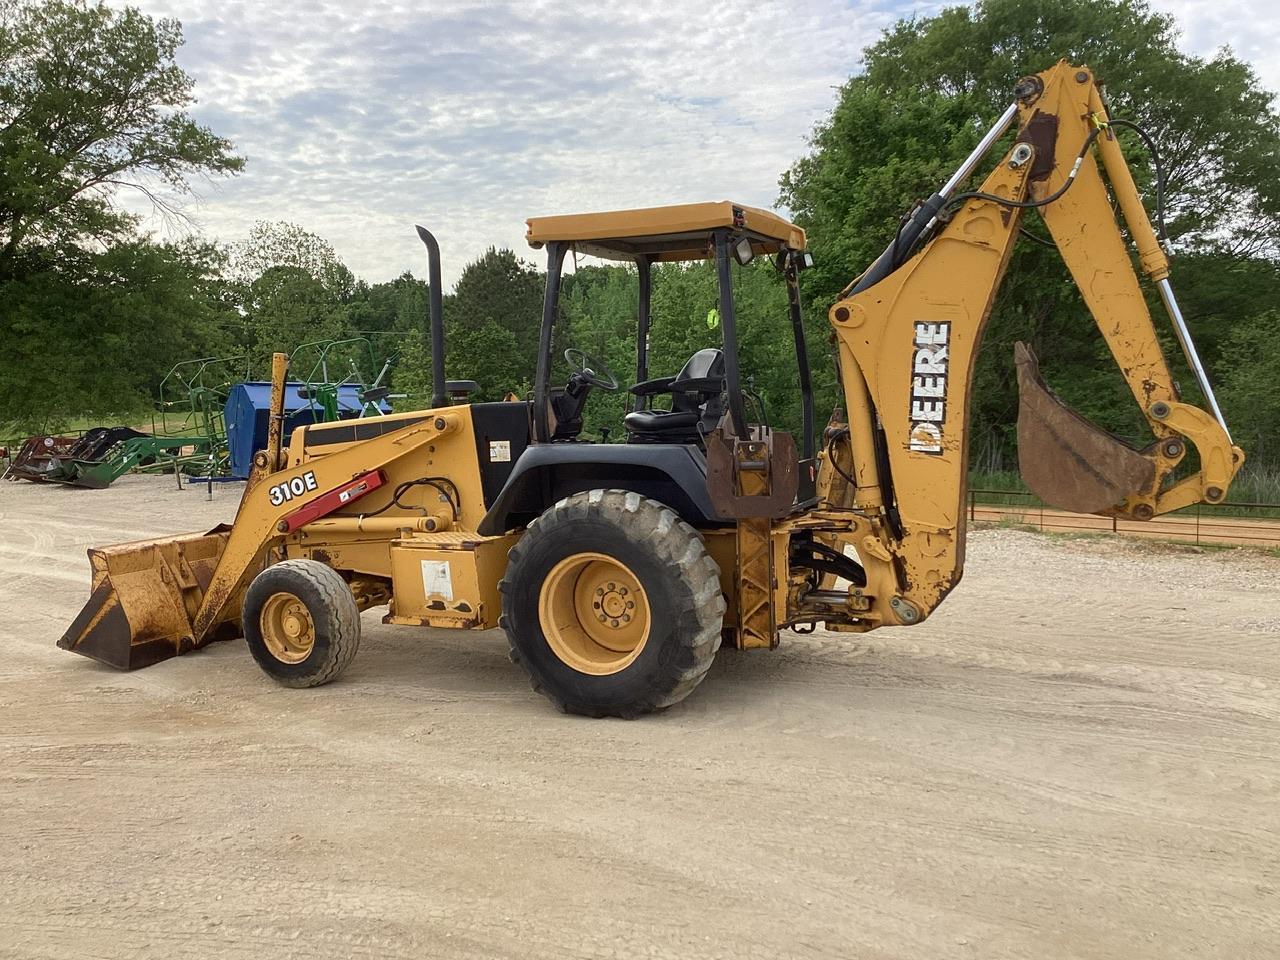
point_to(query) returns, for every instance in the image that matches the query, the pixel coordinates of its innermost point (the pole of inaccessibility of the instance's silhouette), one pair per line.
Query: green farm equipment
(187, 434)
(350, 357)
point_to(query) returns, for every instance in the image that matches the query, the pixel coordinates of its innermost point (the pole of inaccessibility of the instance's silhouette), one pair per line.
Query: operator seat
(697, 402)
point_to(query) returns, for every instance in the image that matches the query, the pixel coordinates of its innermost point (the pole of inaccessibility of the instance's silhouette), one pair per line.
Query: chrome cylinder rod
(1189, 350)
(980, 151)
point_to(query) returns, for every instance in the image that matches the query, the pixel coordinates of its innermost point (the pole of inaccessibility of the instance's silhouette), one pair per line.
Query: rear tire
(301, 623)
(612, 605)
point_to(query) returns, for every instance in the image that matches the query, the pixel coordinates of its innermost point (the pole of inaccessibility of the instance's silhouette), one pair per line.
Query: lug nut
(613, 623)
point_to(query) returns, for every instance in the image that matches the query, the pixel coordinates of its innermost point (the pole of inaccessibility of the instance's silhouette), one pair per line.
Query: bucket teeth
(1065, 460)
(143, 600)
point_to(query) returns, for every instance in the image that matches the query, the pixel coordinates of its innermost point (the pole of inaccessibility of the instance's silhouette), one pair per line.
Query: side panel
(448, 581)
(502, 436)
(451, 456)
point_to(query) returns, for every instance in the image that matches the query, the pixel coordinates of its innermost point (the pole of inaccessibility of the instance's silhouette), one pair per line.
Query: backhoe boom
(909, 331)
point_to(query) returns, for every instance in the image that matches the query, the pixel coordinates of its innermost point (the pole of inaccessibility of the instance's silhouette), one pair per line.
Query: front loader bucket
(1065, 460)
(144, 597)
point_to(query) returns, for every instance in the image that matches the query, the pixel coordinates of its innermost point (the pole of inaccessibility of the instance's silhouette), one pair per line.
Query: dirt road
(1076, 757)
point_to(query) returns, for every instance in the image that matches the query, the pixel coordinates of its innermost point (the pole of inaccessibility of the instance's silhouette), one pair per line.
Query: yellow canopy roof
(681, 232)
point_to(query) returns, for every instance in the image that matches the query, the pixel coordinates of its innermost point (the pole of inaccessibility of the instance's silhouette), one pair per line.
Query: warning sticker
(436, 579)
(499, 451)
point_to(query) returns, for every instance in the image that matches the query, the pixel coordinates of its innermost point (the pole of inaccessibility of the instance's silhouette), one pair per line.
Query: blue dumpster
(248, 409)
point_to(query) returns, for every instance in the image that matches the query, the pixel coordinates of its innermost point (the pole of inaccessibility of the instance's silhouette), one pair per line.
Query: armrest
(698, 385)
(648, 388)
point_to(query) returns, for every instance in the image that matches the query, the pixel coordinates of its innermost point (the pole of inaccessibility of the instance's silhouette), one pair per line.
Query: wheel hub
(594, 613)
(287, 628)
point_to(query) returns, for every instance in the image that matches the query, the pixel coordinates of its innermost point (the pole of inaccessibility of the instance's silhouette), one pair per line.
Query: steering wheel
(591, 369)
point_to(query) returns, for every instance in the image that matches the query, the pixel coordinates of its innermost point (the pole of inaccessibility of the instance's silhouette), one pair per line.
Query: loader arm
(909, 331)
(159, 598)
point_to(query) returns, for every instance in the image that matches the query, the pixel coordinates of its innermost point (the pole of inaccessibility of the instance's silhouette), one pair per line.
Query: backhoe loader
(618, 569)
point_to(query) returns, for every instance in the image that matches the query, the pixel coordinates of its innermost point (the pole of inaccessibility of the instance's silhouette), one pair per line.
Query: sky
(359, 118)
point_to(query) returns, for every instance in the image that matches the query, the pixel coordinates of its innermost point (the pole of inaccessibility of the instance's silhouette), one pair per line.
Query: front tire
(612, 605)
(301, 622)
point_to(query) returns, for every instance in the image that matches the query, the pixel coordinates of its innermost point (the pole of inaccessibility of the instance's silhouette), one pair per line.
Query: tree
(492, 322)
(932, 86)
(280, 244)
(94, 337)
(1251, 385)
(294, 289)
(91, 101)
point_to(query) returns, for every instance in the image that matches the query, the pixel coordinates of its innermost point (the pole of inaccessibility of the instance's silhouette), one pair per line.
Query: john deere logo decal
(929, 386)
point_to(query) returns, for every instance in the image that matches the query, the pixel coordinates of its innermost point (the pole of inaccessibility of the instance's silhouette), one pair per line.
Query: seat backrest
(705, 364)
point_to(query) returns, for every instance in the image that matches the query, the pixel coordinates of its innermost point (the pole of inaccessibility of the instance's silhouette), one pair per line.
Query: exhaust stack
(435, 305)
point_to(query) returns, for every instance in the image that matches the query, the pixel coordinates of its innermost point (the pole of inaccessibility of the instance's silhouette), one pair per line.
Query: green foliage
(285, 307)
(293, 289)
(491, 319)
(1251, 387)
(491, 324)
(273, 245)
(601, 304)
(931, 87)
(94, 336)
(91, 101)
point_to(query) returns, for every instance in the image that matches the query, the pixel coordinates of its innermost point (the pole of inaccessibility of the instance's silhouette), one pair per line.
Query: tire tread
(680, 547)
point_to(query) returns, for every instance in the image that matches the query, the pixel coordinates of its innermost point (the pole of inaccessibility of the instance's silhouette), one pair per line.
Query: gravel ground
(1076, 757)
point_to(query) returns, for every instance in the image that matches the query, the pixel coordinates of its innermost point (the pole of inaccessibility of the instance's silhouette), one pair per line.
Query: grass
(1253, 486)
(177, 424)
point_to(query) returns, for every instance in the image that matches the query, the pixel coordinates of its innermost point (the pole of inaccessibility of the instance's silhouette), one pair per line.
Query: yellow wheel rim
(288, 631)
(594, 613)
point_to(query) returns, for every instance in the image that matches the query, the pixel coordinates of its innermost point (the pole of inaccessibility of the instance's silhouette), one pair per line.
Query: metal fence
(1223, 524)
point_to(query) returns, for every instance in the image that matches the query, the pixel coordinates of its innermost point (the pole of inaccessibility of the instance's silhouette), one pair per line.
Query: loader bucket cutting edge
(144, 597)
(1064, 459)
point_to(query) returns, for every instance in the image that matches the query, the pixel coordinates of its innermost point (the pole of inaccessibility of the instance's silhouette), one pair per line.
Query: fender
(674, 474)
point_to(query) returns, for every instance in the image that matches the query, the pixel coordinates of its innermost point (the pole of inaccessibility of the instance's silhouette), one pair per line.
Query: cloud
(1252, 34)
(359, 119)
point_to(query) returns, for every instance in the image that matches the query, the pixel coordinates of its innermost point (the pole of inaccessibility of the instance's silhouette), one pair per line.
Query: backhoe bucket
(144, 597)
(1065, 460)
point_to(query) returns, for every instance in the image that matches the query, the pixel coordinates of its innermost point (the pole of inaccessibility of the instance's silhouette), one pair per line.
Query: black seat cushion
(660, 421)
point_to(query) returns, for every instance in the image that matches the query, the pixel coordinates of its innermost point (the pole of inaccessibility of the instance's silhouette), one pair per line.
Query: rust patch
(775, 468)
(1041, 132)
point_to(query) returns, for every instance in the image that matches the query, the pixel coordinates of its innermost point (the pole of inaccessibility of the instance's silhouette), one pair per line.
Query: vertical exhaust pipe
(436, 316)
